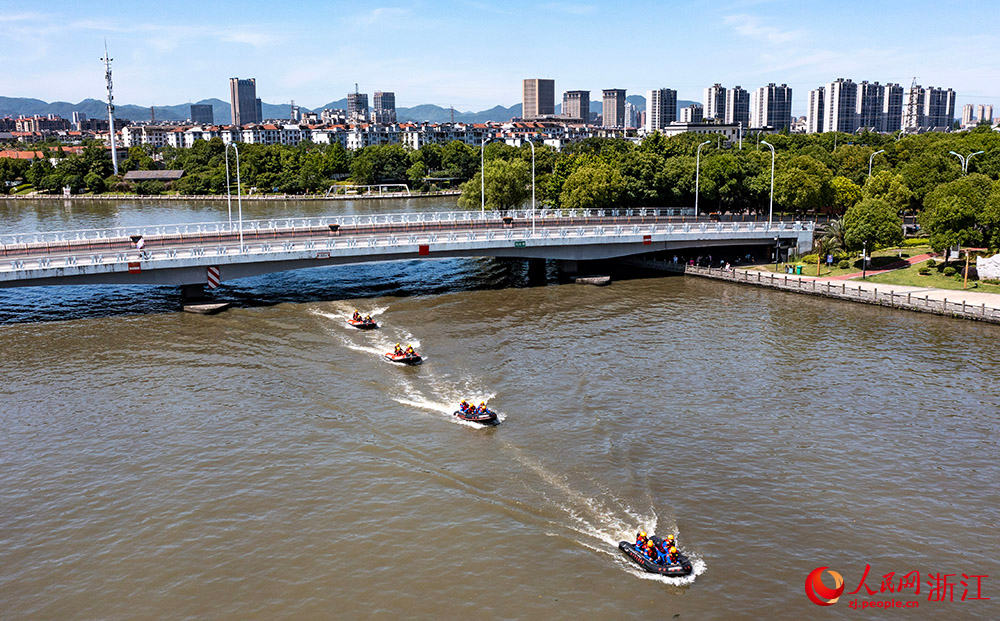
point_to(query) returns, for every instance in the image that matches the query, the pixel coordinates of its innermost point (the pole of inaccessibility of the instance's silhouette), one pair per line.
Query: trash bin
(798, 270)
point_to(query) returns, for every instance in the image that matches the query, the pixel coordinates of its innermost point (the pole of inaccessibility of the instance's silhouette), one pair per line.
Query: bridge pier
(536, 272)
(569, 266)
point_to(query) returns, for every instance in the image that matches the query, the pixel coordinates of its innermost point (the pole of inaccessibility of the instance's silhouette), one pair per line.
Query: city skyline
(165, 57)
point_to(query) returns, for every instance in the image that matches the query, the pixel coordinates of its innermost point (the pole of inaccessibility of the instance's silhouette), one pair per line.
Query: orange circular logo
(819, 593)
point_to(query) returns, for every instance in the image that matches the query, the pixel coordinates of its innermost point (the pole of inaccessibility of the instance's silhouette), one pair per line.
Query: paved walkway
(920, 258)
(956, 296)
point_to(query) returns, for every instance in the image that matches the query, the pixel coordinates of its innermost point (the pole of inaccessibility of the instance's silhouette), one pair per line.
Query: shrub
(924, 271)
(949, 271)
(844, 264)
(931, 263)
(810, 259)
(916, 241)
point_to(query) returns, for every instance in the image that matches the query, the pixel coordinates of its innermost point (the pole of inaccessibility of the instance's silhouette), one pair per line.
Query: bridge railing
(474, 219)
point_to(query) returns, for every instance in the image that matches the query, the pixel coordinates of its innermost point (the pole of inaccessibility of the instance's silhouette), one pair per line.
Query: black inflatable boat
(362, 324)
(680, 568)
(404, 359)
(488, 417)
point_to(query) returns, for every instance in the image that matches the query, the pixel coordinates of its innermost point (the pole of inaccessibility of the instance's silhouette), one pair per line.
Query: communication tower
(111, 107)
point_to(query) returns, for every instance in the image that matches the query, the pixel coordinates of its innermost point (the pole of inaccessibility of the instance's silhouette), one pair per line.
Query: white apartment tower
(967, 117)
(661, 108)
(928, 107)
(892, 108)
(869, 106)
(692, 114)
(771, 106)
(737, 107)
(715, 102)
(840, 108)
(814, 115)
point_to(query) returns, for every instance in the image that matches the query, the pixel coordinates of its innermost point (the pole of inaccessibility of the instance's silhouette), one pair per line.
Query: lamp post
(960, 159)
(532, 144)
(770, 207)
(968, 158)
(741, 135)
(864, 261)
(697, 170)
(482, 177)
(777, 249)
(872, 157)
(239, 191)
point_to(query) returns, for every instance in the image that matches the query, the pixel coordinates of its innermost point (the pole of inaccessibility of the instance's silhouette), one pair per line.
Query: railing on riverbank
(222, 197)
(841, 290)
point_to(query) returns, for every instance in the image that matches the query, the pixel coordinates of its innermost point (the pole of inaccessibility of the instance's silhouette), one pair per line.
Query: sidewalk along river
(267, 462)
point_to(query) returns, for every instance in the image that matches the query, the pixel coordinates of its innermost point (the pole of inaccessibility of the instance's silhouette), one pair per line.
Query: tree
(873, 221)
(846, 193)
(95, 182)
(957, 213)
(888, 186)
(596, 185)
(506, 186)
(803, 184)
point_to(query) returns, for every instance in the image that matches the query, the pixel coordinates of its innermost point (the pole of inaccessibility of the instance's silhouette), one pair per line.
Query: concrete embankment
(972, 305)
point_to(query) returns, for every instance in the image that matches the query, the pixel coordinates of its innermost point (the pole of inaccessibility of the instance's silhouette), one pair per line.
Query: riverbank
(972, 305)
(222, 197)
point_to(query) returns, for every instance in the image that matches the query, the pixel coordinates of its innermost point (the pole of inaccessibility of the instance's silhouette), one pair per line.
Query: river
(267, 463)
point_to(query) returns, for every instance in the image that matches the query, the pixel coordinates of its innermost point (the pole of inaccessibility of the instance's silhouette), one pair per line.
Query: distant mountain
(96, 109)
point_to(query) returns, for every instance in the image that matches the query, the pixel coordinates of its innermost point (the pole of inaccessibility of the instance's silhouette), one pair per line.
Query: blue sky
(473, 54)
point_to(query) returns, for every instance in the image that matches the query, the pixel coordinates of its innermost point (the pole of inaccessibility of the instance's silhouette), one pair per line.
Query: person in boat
(653, 554)
(668, 543)
(357, 316)
(640, 540)
(482, 409)
(397, 350)
(368, 319)
(463, 406)
(409, 350)
(673, 555)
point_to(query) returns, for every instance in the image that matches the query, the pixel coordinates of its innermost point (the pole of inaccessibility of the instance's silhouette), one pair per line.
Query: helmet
(397, 344)
(650, 544)
(642, 534)
(670, 537)
(673, 550)
(464, 401)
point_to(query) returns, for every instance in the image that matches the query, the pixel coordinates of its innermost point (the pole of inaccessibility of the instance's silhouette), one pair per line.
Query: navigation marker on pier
(213, 276)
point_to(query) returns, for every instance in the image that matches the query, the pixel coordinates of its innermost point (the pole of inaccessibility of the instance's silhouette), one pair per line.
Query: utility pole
(111, 107)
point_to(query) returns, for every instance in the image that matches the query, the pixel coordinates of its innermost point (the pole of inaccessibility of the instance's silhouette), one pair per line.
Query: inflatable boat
(412, 359)
(681, 568)
(488, 417)
(361, 324)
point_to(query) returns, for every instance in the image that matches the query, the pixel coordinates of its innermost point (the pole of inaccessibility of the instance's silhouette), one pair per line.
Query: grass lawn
(910, 277)
(880, 259)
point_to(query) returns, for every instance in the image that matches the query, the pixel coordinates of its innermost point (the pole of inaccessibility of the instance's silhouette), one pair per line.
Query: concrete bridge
(193, 255)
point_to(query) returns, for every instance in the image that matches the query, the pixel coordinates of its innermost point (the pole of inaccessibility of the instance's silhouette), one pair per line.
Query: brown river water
(267, 463)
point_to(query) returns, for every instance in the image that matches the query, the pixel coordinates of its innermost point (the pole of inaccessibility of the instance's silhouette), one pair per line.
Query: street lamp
(239, 191)
(777, 249)
(960, 159)
(482, 176)
(864, 261)
(872, 157)
(968, 158)
(770, 208)
(697, 167)
(532, 144)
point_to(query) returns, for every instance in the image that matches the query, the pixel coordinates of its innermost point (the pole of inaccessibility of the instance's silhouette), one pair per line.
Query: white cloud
(751, 26)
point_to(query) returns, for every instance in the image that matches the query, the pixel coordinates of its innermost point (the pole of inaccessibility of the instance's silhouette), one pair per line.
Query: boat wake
(599, 525)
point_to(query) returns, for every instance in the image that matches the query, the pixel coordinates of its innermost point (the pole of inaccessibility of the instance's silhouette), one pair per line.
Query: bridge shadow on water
(369, 280)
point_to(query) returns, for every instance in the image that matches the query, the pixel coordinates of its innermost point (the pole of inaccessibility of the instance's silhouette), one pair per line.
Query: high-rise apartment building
(815, 112)
(244, 104)
(692, 114)
(892, 108)
(737, 106)
(79, 119)
(967, 114)
(538, 98)
(661, 108)
(202, 114)
(985, 113)
(357, 107)
(715, 103)
(384, 108)
(868, 109)
(771, 106)
(840, 107)
(928, 107)
(631, 115)
(614, 107)
(576, 105)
